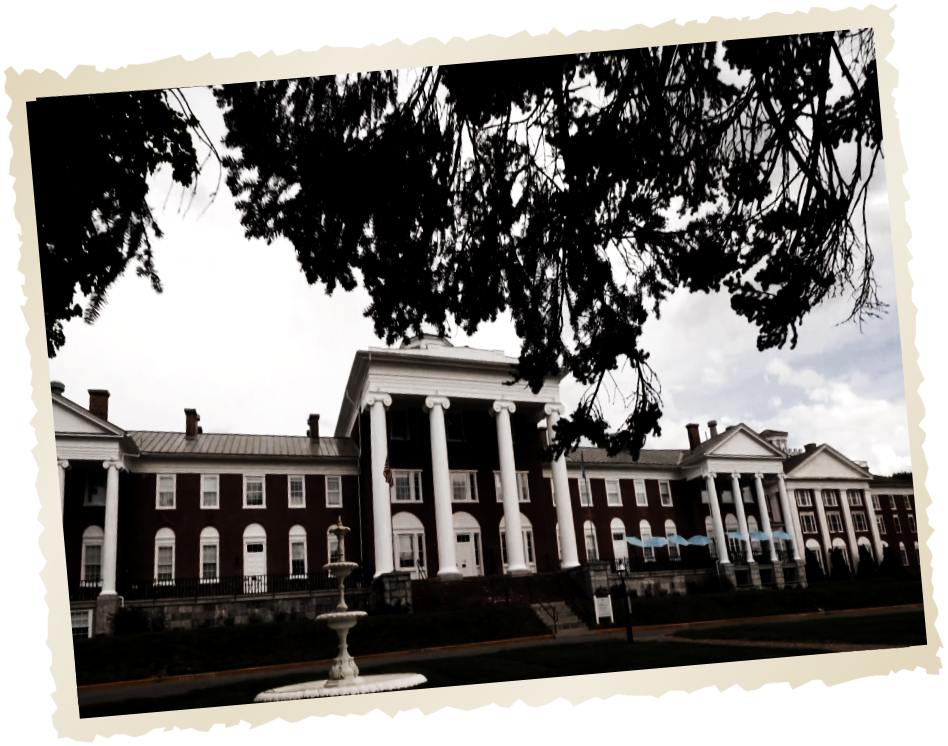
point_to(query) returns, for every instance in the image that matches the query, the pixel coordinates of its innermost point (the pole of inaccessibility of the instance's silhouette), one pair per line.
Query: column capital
(437, 401)
(377, 396)
(500, 405)
(551, 409)
(782, 477)
(113, 464)
(711, 475)
(736, 475)
(64, 464)
(759, 476)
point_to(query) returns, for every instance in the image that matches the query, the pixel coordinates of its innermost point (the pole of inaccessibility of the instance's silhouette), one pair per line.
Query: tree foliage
(92, 156)
(576, 192)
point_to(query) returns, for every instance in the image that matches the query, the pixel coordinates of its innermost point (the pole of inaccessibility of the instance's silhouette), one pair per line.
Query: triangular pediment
(827, 463)
(69, 417)
(743, 443)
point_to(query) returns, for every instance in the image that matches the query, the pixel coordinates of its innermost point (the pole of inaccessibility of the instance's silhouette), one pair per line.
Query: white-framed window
(408, 534)
(854, 497)
(407, 487)
(620, 548)
(165, 491)
(585, 494)
(612, 493)
(95, 487)
(709, 532)
(398, 425)
(880, 524)
(528, 555)
(835, 523)
(752, 528)
(897, 524)
(641, 498)
(727, 497)
(664, 489)
(891, 502)
(804, 498)
(875, 503)
(454, 426)
(164, 556)
(671, 530)
(645, 533)
(81, 624)
(523, 487)
(90, 571)
(831, 498)
(731, 526)
(746, 494)
(592, 546)
(859, 522)
(210, 492)
(333, 492)
(210, 555)
(464, 486)
(904, 554)
(808, 523)
(908, 501)
(814, 548)
(704, 497)
(296, 491)
(913, 528)
(918, 559)
(298, 564)
(332, 547)
(255, 492)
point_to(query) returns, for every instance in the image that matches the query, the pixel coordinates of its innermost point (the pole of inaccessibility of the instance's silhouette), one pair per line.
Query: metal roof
(647, 457)
(227, 444)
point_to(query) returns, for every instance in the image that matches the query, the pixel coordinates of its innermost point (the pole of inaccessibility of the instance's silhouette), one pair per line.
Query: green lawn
(131, 657)
(547, 661)
(904, 628)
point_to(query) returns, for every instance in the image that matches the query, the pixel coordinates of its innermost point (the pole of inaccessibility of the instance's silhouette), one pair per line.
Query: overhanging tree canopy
(577, 192)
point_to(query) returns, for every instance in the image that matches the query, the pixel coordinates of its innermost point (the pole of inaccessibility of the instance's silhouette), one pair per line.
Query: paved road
(92, 696)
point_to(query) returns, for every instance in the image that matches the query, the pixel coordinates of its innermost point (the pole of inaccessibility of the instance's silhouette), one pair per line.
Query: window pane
(402, 487)
(334, 492)
(528, 542)
(584, 498)
(523, 489)
(459, 487)
(209, 561)
(254, 492)
(296, 490)
(334, 555)
(612, 493)
(165, 556)
(166, 492)
(417, 495)
(640, 497)
(80, 624)
(665, 489)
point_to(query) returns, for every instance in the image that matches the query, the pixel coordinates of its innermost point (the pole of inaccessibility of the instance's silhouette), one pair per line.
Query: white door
(620, 548)
(255, 567)
(467, 554)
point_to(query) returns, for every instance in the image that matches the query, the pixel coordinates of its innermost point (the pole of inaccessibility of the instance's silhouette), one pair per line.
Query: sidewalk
(172, 685)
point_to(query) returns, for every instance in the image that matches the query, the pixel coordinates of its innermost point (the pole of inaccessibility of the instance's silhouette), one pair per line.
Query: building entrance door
(255, 567)
(468, 556)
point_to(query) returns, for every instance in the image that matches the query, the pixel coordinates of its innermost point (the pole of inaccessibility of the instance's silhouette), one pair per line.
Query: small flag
(387, 473)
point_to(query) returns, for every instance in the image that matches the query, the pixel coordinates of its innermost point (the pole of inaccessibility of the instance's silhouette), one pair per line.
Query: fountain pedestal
(344, 675)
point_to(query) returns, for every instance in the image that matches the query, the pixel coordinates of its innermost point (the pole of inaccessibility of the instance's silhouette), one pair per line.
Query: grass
(512, 665)
(903, 628)
(171, 653)
(827, 596)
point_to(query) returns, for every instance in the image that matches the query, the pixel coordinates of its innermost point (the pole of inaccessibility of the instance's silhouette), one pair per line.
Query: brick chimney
(713, 427)
(809, 447)
(694, 438)
(99, 403)
(313, 430)
(191, 420)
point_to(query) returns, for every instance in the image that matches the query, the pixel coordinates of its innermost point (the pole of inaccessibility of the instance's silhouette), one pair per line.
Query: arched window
(841, 546)
(904, 553)
(298, 560)
(164, 556)
(864, 542)
(918, 560)
(674, 553)
(467, 536)
(90, 571)
(592, 545)
(645, 533)
(409, 539)
(527, 537)
(210, 555)
(731, 527)
(709, 532)
(620, 547)
(813, 546)
(752, 527)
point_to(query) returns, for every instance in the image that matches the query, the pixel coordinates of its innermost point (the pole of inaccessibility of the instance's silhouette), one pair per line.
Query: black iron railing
(85, 590)
(238, 585)
(548, 608)
(638, 564)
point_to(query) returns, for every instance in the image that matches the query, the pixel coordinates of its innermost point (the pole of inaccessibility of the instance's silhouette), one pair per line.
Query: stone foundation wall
(665, 583)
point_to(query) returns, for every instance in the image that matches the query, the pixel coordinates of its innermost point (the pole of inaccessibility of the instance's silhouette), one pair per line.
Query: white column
(719, 539)
(501, 411)
(791, 521)
(110, 547)
(764, 514)
(850, 531)
(564, 505)
(381, 495)
(873, 528)
(444, 518)
(63, 467)
(824, 530)
(741, 518)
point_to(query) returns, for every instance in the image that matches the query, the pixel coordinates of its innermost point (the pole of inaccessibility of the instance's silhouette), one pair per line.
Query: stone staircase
(567, 623)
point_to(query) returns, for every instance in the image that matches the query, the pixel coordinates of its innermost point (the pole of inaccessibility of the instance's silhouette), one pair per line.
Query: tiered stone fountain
(344, 675)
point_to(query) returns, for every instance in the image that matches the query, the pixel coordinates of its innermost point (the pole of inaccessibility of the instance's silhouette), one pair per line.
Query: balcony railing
(639, 564)
(233, 585)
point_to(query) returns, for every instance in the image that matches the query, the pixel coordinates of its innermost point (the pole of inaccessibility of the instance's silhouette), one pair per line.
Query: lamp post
(623, 570)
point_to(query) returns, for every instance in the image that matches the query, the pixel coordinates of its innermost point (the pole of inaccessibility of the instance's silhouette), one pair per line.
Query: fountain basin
(386, 682)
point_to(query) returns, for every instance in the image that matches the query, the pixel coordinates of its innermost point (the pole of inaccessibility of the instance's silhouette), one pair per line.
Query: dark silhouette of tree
(91, 157)
(891, 566)
(814, 571)
(839, 568)
(867, 565)
(577, 192)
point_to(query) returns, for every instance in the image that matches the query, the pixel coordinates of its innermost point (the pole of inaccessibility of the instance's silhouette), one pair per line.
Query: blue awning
(782, 535)
(656, 541)
(634, 541)
(759, 536)
(675, 539)
(699, 541)
(736, 535)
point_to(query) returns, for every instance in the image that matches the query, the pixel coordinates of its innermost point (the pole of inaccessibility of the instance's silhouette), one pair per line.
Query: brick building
(436, 466)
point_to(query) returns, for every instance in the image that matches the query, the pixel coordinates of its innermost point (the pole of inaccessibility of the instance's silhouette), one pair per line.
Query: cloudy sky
(239, 335)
